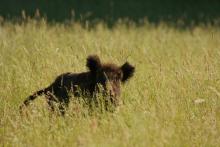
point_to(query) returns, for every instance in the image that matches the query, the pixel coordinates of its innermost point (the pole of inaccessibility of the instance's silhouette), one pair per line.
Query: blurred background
(181, 13)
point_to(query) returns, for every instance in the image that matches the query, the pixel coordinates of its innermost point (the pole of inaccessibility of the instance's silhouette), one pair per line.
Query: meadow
(172, 100)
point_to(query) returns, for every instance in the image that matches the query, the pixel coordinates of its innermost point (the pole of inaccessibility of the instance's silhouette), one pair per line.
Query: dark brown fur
(109, 76)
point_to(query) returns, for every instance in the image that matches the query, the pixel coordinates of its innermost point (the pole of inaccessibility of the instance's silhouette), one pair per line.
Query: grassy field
(173, 99)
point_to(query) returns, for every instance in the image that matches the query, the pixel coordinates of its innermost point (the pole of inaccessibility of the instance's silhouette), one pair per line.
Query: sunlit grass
(173, 99)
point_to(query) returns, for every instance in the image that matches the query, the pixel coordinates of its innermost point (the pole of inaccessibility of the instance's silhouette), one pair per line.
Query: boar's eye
(119, 75)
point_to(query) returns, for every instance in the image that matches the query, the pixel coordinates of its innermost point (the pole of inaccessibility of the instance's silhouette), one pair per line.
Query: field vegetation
(172, 100)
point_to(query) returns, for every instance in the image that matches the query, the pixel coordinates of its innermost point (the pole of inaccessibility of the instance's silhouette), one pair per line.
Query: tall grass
(173, 99)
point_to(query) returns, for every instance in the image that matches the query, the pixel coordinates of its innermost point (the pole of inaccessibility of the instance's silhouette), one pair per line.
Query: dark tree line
(110, 11)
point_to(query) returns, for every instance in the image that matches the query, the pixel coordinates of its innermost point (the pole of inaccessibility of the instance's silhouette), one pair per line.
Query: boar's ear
(128, 71)
(93, 63)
